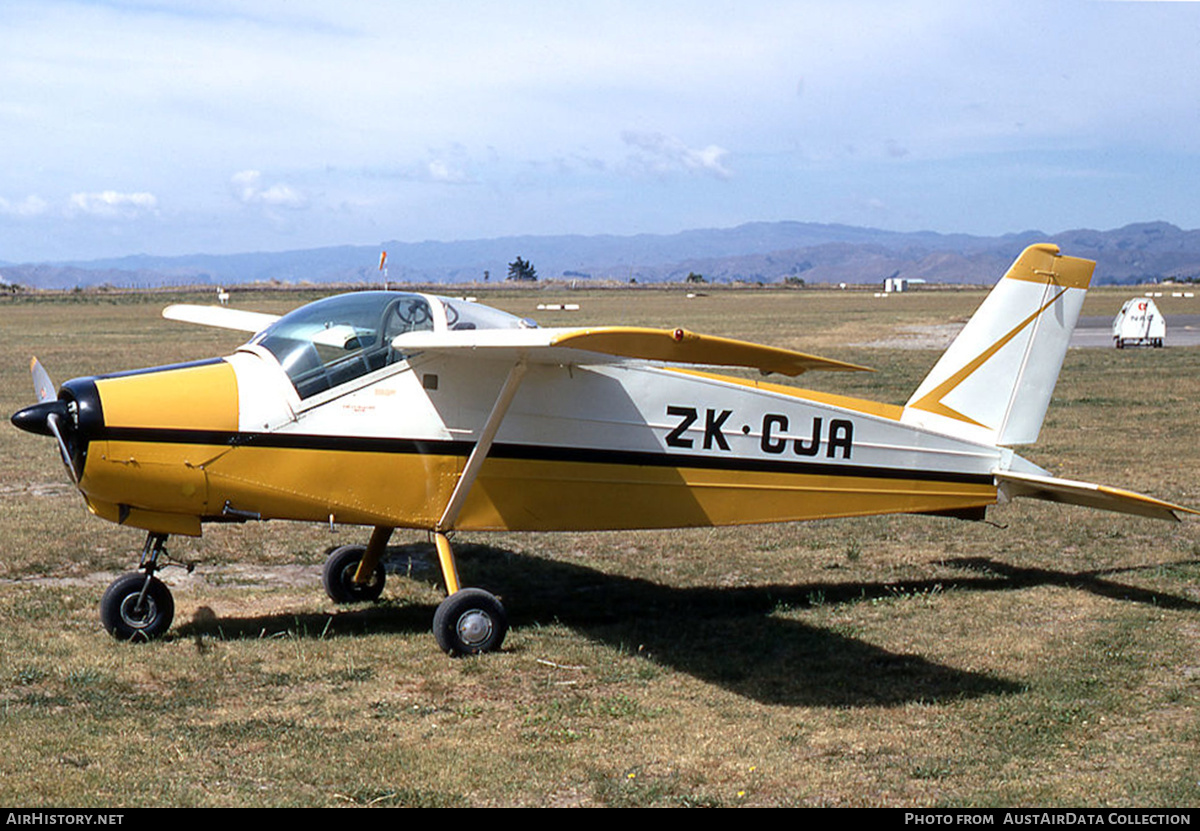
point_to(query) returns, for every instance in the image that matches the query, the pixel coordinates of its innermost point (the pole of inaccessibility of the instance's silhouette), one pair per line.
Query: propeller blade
(42, 385)
(52, 423)
(45, 416)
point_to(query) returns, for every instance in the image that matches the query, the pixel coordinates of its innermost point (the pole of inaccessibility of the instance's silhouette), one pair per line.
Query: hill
(755, 252)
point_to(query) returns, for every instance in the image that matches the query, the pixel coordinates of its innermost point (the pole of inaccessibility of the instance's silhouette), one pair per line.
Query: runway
(1095, 332)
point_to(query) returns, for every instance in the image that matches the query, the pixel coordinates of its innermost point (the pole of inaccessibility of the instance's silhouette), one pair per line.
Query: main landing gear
(468, 622)
(137, 605)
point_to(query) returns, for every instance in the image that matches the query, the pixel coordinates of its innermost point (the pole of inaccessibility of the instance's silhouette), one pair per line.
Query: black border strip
(528, 452)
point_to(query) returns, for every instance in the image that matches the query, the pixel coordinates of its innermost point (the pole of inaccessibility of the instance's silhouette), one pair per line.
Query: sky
(167, 128)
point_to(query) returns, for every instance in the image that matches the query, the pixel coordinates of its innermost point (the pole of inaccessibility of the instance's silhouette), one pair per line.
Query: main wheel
(469, 622)
(339, 572)
(125, 618)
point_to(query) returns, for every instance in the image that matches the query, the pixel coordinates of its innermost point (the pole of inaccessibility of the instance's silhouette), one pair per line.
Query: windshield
(465, 314)
(341, 338)
(337, 339)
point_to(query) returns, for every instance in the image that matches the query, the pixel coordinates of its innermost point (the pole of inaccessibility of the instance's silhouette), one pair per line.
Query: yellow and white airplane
(399, 410)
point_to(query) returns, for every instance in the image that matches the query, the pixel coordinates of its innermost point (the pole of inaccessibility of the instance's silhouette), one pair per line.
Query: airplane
(392, 409)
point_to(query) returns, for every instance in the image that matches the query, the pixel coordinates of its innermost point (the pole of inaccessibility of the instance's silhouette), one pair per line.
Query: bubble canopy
(331, 341)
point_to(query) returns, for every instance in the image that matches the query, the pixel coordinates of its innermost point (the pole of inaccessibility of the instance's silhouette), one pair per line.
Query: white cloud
(246, 185)
(282, 196)
(661, 154)
(248, 188)
(110, 204)
(29, 206)
(441, 171)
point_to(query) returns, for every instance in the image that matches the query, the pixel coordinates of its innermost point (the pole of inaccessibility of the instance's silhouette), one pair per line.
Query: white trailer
(1139, 323)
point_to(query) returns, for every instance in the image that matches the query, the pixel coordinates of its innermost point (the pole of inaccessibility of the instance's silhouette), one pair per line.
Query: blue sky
(217, 127)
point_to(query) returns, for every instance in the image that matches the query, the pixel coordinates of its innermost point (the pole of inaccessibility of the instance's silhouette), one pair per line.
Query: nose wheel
(139, 606)
(136, 607)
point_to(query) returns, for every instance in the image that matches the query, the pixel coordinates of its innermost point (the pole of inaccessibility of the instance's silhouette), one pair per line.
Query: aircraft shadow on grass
(1000, 576)
(730, 637)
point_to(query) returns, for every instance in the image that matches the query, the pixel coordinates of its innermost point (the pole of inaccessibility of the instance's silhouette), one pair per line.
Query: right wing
(611, 344)
(220, 316)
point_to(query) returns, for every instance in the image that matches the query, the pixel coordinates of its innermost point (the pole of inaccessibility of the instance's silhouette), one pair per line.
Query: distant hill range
(764, 252)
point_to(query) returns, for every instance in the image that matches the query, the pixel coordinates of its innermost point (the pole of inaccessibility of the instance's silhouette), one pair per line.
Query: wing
(220, 316)
(612, 344)
(1072, 492)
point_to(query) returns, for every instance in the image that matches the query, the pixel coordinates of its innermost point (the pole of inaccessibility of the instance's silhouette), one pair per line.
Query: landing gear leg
(469, 621)
(139, 606)
(354, 573)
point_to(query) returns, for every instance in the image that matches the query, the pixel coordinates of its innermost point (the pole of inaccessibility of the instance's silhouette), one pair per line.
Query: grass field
(1050, 657)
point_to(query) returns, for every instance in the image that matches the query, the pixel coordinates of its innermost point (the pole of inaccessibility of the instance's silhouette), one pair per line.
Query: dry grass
(1050, 659)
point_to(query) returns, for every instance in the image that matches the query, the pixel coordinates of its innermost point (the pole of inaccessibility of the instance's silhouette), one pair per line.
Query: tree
(522, 270)
(693, 277)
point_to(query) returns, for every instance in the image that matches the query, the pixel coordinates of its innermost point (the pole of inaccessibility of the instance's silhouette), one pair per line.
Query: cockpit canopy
(338, 339)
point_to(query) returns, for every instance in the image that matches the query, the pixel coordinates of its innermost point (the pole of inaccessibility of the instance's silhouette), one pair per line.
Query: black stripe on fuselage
(527, 452)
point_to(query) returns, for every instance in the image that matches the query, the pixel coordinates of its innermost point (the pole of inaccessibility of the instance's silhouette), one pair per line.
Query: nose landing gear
(137, 605)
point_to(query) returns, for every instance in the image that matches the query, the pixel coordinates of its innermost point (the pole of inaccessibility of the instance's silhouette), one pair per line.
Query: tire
(124, 620)
(338, 576)
(470, 622)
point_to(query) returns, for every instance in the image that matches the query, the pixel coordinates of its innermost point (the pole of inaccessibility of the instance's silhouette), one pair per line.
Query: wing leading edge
(221, 317)
(604, 344)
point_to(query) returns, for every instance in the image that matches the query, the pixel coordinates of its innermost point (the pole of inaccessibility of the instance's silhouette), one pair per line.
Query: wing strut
(482, 447)
(470, 471)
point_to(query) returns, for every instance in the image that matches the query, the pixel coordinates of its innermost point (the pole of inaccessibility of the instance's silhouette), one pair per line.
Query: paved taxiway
(1182, 330)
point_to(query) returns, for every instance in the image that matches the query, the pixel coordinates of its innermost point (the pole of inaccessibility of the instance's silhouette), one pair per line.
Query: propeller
(51, 416)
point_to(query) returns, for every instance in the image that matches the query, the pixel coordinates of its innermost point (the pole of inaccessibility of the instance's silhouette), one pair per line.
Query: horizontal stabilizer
(220, 317)
(1087, 494)
(611, 343)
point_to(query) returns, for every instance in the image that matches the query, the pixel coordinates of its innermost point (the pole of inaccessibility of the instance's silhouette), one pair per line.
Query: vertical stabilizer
(995, 381)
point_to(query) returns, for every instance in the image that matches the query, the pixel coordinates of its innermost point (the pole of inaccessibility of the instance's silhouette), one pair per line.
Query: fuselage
(608, 446)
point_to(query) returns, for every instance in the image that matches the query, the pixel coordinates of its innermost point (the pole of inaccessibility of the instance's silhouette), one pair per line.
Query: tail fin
(994, 382)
